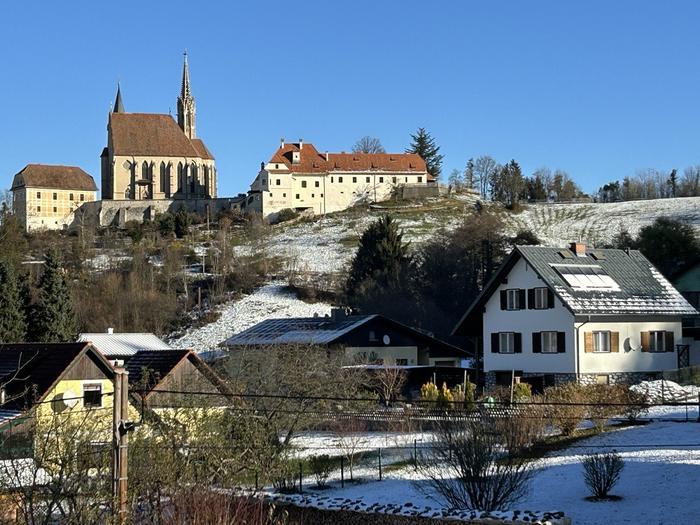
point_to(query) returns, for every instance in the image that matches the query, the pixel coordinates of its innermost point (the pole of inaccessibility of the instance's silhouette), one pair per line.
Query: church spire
(186, 109)
(118, 104)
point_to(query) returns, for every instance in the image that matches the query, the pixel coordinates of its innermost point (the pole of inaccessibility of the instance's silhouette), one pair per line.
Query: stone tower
(186, 109)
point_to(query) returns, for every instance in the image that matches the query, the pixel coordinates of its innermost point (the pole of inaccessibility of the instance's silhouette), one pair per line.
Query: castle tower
(186, 109)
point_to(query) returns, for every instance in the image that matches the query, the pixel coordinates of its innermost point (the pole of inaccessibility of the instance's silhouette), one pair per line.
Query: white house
(298, 177)
(593, 315)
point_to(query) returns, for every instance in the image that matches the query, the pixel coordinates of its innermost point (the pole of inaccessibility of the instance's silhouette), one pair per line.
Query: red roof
(311, 161)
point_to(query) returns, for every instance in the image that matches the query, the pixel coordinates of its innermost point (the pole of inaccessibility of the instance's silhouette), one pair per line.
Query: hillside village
(357, 338)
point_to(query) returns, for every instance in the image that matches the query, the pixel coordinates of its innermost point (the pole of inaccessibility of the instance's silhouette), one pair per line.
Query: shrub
(465, 397)
(566, 411)
(523, 429)
(602, 399)
(601, 472)
(636, 404)
(287, 214)
(165, 222)
(285, 477)
(321, 467)
(522, 391)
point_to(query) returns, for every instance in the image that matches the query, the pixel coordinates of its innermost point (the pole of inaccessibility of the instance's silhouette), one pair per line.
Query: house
(370, 340)
(123, 346)
(46, 196)
(551, 315)
(165, 378)
(299, 177)
(688, 284)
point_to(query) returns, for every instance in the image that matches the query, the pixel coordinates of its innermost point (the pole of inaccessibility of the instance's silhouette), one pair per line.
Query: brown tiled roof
(152, 134)
(58, 177)
(311, 161)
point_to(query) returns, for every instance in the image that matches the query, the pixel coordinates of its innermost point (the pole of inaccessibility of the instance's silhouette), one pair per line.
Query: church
(150, 156)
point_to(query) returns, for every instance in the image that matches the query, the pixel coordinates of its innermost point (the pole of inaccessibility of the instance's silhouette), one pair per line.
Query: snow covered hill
(325, 244)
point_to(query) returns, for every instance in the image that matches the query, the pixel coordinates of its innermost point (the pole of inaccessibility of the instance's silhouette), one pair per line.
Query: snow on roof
(7, 414)
(125, 344)
(302, 330)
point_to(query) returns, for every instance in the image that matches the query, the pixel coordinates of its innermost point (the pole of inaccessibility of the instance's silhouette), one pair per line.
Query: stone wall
(418, 191)
(629, 378)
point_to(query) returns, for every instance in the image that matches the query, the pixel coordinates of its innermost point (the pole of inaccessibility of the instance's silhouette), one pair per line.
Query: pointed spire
(186, 90)
(118, 104)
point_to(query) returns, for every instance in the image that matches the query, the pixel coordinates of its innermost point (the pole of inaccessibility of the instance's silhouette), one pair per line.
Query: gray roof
(642, 290)
(305, 330)
(123, 345)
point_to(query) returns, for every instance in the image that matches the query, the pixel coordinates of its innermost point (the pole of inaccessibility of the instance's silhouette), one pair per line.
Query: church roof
(152, 134)
(311, 161)
(55, 177)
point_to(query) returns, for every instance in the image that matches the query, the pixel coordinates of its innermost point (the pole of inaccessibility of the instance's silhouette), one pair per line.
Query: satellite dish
(386, 340)
(633, 344)
(64, 401)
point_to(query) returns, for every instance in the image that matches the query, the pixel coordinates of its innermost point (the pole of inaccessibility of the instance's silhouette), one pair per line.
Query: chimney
(110, 331)
(326, 156)
(578, 248)
(301, 144)
(282, 143)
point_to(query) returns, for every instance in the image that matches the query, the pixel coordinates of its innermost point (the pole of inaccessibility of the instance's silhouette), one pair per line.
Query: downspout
(577, 363)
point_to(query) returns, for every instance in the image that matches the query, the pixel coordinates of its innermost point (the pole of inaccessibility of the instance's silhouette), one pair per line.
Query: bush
(321, 467)
(522, 391)
(636, 404)
(287, 214)
(286, 477)
(602, 399)
(601, 472)
(440, 397)
(165, 222)
(523, 429)
(566, 411)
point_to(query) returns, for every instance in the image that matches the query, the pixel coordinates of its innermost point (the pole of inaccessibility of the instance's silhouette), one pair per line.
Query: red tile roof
(152, 134)
(311, 161)
(56, 177)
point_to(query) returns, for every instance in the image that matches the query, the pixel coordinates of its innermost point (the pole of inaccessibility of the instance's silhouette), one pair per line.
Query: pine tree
(381, 258)
(424, 145)
(13, 325)
(673, 183)
(52, 318)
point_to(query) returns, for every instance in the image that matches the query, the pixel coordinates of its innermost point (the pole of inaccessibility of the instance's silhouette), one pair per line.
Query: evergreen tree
(13, 325)
(673, 183)
(671, 245)
(52, 319)
(183, 221)
(424, 145)
(469, 175)
(378, 280)
(508, 185)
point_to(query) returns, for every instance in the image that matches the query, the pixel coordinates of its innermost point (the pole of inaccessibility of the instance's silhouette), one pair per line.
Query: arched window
(165, 179)
(145, 171)
(180, 177)
(193, 179)
(206, 180)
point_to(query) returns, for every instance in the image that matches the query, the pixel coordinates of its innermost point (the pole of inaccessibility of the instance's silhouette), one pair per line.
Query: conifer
(52, 318)
(424, 145)
(13, 325)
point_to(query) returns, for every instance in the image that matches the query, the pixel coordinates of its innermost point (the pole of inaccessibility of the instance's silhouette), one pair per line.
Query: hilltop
(323, 245)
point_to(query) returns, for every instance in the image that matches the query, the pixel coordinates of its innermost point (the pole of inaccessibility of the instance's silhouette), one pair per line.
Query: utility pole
(120, 444)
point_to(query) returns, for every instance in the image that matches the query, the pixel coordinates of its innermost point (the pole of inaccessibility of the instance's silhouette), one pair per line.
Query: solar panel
(586, 277)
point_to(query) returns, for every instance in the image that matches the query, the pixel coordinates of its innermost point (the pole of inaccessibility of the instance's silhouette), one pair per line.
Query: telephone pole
(120, 444)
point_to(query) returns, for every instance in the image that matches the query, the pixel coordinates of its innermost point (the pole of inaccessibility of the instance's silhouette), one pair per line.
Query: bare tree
(388, 382)
(368, 144)
(352, 438)
(485, 169)
(469, 470)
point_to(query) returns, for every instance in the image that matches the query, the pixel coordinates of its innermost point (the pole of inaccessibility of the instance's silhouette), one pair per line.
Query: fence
(686, 376)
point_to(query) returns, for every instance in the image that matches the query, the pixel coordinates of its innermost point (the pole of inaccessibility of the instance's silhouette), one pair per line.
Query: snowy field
(326, 244)
(269, 301)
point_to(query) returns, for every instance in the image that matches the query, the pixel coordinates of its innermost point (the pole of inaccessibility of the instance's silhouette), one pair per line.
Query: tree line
(653, 184)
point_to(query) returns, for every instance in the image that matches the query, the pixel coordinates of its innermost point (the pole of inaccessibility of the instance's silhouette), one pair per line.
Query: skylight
(586, 277)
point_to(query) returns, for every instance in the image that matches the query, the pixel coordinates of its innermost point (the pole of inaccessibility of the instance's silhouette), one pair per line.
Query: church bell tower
(186, 109)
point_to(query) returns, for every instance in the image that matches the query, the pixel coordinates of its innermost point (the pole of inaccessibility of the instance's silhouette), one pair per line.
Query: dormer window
(296, 157)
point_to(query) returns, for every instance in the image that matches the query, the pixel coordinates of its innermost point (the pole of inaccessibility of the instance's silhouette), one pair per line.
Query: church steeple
(186, 109)
(118, 104)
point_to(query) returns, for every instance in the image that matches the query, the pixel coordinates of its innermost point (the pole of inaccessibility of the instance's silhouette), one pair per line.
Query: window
(82, 197)
(601, 342)
(38, 208)
(657, 341)
(602, 379)
(92, 395)
(70, 197)
(372, 336)
(316, 184)
(420, 179)
(506, 342)
(303, 184)
(331, 179)
(445, 362)
(321, 195)
(540, 299)
(367, 180)
(38, 195)
(549, 342)
(393, 180)
(354, 179)
(297, 195)
(512, 299)
(263, 181)
(381, 179)
(401, 362)
(55, 196)
(340, 179)
(284, 195)
(313, 195)
(277, 166)
(278, 182)
(55, 209)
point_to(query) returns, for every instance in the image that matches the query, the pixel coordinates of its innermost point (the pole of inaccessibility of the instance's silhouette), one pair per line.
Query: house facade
(594, 316)
(301, 178)
(45, 197)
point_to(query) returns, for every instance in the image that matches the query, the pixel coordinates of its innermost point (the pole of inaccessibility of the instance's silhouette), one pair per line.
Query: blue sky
(597, 88)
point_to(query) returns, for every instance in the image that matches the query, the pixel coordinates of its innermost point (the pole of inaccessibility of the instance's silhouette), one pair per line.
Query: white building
(298, 177)
(550, 315)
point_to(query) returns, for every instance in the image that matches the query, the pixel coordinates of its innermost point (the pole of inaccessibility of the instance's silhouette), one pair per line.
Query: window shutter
(550, 298)
(504, 299)
(518, 337)
(531, 299)
(495, 343)
(646, 343)
(536, 343)
(561, 342)
(588, 342)
(669, 341)
(521, 299)
(614, 341)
